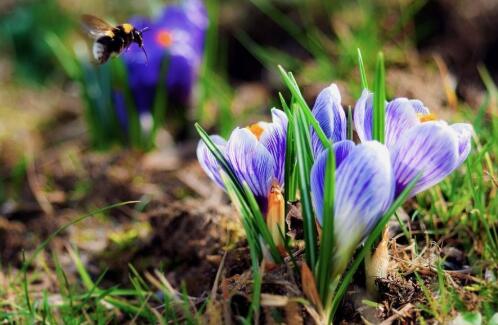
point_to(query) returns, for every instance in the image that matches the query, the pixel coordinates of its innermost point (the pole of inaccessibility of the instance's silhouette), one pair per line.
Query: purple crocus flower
(257, 156)
(364, 189)
(177, 34)
(416, 141)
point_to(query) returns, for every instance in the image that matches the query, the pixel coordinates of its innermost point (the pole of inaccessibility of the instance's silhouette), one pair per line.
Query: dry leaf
(309, 286)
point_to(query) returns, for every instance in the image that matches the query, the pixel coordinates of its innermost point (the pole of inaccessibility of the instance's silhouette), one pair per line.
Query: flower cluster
(368, 175)
(177, 35)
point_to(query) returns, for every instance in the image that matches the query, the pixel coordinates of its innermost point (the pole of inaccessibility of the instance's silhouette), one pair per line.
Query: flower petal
(430, 148)
(273, 139)
(330, 115)
(363, 116)
(342, 150)
(364, 189)
(360, 175)
(419, 107)
(400, 117)
(464, 133)
(251, 162)
(208, 162)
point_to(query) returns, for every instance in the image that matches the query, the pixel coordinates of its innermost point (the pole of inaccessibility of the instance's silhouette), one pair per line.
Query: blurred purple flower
(416, 142)
(364, 189)
(177, 34)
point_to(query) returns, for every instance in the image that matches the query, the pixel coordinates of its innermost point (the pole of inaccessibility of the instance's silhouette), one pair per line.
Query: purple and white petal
(464, 133)
(317, 182)
(419, 107)
(273, 139)
(362, 114)
(430, 148)
(251, 162)
(330, 115)
(342, 150)
(364, 189)
(208, 161)
(400, 117)
(353, 183)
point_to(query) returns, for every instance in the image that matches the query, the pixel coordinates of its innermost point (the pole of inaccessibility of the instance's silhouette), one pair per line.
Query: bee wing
(96, 27)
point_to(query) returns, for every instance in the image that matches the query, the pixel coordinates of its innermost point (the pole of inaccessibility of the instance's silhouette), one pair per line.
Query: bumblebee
(110, 39)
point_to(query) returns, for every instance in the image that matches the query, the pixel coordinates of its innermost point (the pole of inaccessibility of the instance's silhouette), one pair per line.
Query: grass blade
(379, 100)
(304, 162)
(363, 74)
(327, 242)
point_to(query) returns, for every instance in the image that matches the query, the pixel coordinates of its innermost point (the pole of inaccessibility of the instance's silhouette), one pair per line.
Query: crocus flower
(364, 189)
(257, 156)
(178, 35)
(417, 142)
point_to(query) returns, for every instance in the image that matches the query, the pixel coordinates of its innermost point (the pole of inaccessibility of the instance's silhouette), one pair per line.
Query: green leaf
(327, 242)
(304, 162)
(379, 101)
(363, 74)
(290, 82)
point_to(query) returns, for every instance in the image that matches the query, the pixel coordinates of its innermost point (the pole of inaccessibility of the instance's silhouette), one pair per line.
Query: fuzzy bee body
(109, 40)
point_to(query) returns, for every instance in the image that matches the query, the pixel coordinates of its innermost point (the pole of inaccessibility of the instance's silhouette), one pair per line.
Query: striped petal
(330, 115)
(464, 133)
(342, 150)
(400, 117)
(364, 180)
(419, 107)
(363, 116)
(208, 161)
(251, 162)
(364, 189)
(430, 148)
(273, 139)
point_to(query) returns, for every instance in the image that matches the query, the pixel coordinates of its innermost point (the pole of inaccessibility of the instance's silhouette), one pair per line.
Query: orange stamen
(256, 130)
(426, 117)
(164, 38)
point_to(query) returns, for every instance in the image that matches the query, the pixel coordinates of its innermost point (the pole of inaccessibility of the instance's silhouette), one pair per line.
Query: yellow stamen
(426, 117)
(164, 38)
(275, 218)
(256, 129)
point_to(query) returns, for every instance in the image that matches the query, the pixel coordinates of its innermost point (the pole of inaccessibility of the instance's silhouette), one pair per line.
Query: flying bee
(110, 39)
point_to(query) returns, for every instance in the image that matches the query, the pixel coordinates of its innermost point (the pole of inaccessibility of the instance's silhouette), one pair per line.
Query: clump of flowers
(350, 189)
